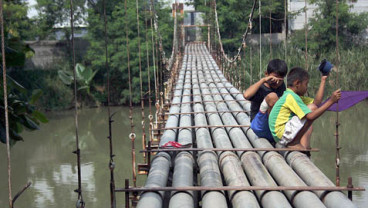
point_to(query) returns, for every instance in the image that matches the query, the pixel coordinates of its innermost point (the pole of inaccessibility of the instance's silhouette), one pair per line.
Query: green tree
(322, 27)
(117, 49)
(233, 18)
(53, 13)
(17, 27)
(22, 113)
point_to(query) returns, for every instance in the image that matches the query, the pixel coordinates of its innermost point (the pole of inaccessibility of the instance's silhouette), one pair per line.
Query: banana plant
(84, 77)
(22, 113)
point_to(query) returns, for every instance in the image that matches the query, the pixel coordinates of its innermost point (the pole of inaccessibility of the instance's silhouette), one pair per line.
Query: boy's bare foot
(296, 146)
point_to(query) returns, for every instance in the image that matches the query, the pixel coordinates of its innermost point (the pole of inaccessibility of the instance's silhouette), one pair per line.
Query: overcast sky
(31, 11)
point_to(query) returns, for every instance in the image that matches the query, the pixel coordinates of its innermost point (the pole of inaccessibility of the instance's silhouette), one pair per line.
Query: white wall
(186, 8)
(298, 21)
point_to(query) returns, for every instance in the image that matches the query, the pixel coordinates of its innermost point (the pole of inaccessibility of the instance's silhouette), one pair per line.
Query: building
(298, 22)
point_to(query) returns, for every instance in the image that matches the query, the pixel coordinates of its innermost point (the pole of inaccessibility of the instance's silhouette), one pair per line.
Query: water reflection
(46, 160)
(353, 133)
(45, 157)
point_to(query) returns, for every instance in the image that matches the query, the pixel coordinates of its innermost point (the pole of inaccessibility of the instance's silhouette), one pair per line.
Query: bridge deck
(202, 88)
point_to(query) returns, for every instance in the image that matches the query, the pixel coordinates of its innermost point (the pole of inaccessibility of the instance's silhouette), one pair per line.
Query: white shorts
(292, 127)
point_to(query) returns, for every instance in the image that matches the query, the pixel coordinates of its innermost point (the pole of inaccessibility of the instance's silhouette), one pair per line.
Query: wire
(132, 134)
(244, 35)
(286, 30)
(260, 39)
(80, 201)
(141, 80)
(6, 105)
(337, 161)
(306, 35)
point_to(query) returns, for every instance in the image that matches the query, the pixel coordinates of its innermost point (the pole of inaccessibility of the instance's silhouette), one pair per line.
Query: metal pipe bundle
(227, 159)
(210, 174)
(230, 165)
(183, 166)
(160, 166)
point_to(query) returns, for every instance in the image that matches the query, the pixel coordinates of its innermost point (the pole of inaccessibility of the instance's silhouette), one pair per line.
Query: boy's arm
(319, 96)
(319, 111)
(251, 91)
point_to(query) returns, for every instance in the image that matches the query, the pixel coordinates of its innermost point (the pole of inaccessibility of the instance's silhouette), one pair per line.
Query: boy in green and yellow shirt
(292, 115)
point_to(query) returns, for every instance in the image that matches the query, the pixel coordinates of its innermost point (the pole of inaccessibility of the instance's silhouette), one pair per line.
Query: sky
(32, 11)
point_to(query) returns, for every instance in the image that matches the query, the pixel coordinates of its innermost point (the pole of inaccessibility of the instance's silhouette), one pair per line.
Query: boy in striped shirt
(292, 115)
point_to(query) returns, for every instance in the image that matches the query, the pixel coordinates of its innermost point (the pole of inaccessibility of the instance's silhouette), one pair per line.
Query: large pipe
(157, 177)
(183, 177)
(302, 165)
(183, 166)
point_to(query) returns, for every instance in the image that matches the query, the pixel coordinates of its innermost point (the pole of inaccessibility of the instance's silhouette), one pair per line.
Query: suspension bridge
(201, 151)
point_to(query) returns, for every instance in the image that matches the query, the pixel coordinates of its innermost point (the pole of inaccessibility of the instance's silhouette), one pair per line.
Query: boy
(266, 92)
(293, 114)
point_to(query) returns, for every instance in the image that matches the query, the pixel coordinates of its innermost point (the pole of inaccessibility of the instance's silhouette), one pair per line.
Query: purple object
(348, 99)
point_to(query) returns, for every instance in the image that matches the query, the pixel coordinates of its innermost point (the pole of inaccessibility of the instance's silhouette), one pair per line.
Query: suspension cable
(175, 41)
(111, 162)
(154, 56)
(270, 30)
(306, 35)
(6, 105)
(250, 63)
(244, 35)
(150, 133)
(245, 64)
(141, 81)
(132, 134)
(260, 39)
(286, 29)
(337, 161)
(148, 64)
(80, 202)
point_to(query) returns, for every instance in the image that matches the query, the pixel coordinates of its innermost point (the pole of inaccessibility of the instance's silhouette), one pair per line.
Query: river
(45, 157)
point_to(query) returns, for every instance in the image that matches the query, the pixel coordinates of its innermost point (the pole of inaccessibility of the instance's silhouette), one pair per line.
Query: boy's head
(276, 68)
(298, 79)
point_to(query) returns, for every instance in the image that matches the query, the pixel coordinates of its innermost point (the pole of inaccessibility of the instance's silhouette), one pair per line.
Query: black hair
(296, 73)
(277, 66)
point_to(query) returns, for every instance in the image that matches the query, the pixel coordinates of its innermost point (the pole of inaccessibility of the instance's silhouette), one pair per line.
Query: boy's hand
(272, 79)
(336, 95)
(324, 77)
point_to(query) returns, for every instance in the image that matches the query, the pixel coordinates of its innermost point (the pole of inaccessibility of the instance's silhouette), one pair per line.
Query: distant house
(191, 17)
(298, 22)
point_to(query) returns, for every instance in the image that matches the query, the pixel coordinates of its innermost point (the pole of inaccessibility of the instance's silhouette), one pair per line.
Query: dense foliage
(322, 27)
(233, 18)
(21, 111)
(57, 14)
(117, 45)
(21, 102)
